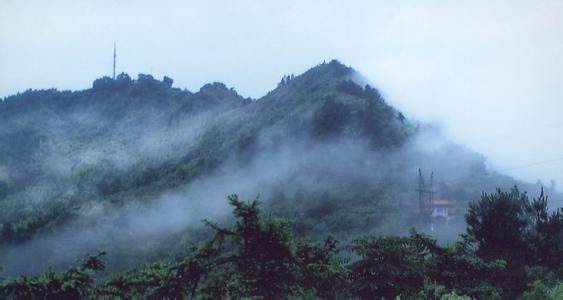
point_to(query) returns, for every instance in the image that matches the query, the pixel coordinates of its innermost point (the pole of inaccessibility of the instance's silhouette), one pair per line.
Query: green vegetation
(75, 283)
(258, 257)
(131, 166)
(524, 235)
(128, 141)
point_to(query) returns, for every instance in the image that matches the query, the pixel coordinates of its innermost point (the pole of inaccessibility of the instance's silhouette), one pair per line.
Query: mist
(295, 178)
(133, 166)
(281, 149)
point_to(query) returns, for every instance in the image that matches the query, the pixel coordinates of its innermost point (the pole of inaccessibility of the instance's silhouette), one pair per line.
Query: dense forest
(129, 167)
(512, 248)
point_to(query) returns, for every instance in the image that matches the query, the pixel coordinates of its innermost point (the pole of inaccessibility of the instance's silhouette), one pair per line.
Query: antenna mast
(114, 58)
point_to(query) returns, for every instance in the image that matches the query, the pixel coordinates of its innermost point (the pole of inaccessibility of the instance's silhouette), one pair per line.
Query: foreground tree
(388, 266)
(416, 267)
(259, 258)
(508, 226)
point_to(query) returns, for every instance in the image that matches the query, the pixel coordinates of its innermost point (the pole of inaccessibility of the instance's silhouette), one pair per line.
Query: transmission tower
(425, 197)
(425, 193)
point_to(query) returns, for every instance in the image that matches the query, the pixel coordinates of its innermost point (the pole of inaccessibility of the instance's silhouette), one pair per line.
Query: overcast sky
(490, 72)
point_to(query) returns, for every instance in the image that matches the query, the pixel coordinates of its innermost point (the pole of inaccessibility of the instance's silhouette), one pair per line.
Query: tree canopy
(258, 257)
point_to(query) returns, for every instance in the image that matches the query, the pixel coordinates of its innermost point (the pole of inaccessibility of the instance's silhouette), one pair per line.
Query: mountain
(132, 166)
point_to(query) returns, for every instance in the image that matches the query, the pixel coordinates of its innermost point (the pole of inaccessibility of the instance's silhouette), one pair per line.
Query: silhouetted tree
(508, 226)
(167, 81)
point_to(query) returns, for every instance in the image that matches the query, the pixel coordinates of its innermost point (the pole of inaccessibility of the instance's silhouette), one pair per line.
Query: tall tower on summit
(114, 58)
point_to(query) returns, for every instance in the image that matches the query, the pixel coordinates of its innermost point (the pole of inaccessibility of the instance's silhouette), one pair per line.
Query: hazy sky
(490, 72)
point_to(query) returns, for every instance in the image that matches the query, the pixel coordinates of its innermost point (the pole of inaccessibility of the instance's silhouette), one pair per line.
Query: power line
(532, 164)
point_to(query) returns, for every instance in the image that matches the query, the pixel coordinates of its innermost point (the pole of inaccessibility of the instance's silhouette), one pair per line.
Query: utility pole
(420, 190)
(114, 59)
(431, 193)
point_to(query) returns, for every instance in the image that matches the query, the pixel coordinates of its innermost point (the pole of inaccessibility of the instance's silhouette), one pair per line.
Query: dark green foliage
(350, 87)
(161, 280)
(331, 118)
(387, 266)
(539, 290)
(125, 142)
(117, 119)
(404, 266)
(544, 234)
(47, 139)
(167, 81)
(508, 226)
(261, 260)
(457, 267)
(23, 229)
(107, 84)
(323, 270)
(497, 223)
(338, 69)
(258, 257)
(76, 283)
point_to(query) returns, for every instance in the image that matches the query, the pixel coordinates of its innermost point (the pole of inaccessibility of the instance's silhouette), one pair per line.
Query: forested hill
(133, 165)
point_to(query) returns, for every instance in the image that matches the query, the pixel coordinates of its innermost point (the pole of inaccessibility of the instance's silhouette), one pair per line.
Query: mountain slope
(110, 166)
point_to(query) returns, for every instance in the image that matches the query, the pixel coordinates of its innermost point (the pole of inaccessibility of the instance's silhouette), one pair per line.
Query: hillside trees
(331, 118)
(76, 283)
